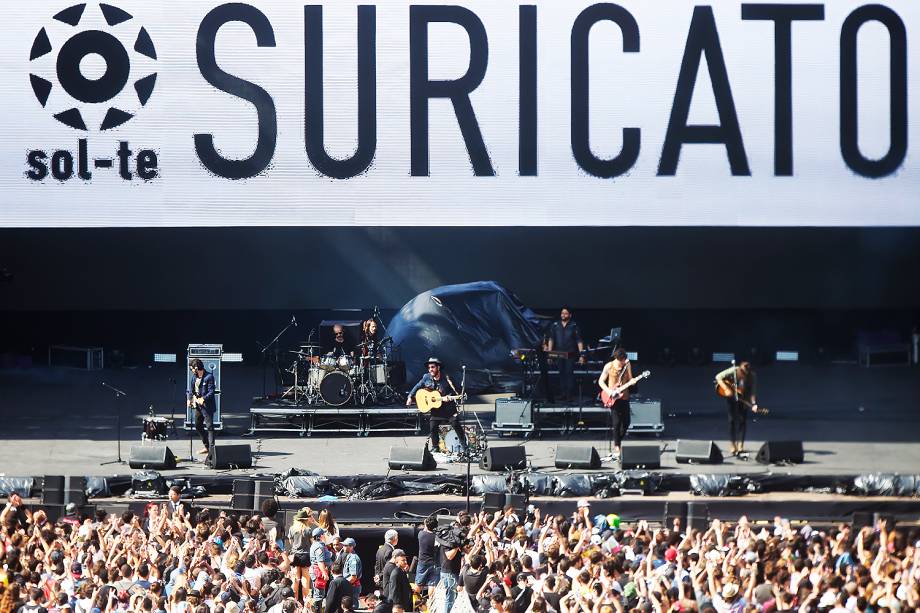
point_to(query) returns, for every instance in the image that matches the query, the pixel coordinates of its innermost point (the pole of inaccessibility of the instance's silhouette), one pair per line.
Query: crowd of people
(173, 559)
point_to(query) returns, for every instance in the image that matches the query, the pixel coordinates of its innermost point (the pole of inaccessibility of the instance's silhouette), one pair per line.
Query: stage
(852, 420)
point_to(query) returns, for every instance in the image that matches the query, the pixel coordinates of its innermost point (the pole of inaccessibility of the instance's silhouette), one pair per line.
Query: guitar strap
(622, 374)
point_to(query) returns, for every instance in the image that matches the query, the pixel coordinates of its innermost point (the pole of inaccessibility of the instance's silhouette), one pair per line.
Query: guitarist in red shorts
(616, 373)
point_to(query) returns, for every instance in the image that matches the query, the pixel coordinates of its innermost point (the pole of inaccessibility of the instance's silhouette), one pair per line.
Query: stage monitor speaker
(230, 456)
(781, 452)
(577, 457)
(640, 455)
(157, 457)
(698, 452)
(503, 458)
(60, 490)
(411, 458)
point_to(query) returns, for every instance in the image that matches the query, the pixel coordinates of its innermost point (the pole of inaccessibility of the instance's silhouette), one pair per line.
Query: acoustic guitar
(432, 399)
(610, 399)
(727, 390)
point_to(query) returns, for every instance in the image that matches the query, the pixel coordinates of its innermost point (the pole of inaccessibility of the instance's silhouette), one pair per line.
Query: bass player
(617, 372)
(435, 380)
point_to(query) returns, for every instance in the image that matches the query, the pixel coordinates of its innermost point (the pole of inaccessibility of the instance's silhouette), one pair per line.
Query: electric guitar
(610, 399)
(727, 390)
(428, 400)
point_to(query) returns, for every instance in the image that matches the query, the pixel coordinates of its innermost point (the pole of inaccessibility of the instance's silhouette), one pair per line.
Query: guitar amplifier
(513, 415)
(645, 415)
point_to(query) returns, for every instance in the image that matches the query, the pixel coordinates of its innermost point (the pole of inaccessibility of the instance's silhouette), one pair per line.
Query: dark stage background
(727, 289)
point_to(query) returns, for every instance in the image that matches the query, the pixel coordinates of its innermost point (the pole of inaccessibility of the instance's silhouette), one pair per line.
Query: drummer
(340, 345)
(370, 344)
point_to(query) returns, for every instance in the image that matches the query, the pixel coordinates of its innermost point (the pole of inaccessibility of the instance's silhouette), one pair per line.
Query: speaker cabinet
(411, 458)
(249, 494)
(230, 456)
(698, 452)
(779, 452)
(157, 457)
(497, 501)
(640, 455)
(59, 490)
(697, 516)
(504, 458)
(577, 457)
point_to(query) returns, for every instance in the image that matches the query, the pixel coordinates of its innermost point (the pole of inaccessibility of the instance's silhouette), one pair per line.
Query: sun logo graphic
(84, 53)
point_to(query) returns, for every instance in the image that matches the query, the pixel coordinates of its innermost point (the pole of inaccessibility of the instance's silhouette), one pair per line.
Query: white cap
(583, 502)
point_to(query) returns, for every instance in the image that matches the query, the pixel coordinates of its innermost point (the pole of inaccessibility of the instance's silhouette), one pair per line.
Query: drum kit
(340, 380)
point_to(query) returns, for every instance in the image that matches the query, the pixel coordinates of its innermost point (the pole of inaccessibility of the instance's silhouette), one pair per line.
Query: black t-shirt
(472, 582)
(448, 565)
(552, 599)
(427, 549)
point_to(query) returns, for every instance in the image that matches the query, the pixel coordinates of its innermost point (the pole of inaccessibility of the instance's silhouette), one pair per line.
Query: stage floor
(852, 420)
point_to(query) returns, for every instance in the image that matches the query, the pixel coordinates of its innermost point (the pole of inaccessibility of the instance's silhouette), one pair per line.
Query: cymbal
(309, 346)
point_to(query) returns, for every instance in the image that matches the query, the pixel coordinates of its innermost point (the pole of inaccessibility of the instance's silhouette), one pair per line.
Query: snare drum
(328, 362)
(344, 363)
(154, 429)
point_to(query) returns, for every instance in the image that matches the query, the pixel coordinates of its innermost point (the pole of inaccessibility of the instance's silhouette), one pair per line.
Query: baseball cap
(583, 502)
(671, 554)
(318, 532)
(76, 568)
(71, 508)
(349, 542)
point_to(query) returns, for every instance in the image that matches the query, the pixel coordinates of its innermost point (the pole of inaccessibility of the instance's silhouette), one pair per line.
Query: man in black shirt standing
(399, 590)
(427, 572)
(451, 559)
(435, 380)
(565, 336)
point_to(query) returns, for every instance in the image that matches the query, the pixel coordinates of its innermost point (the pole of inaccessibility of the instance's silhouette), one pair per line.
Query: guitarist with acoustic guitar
(738, 385)
(440, 401)
(616, 373)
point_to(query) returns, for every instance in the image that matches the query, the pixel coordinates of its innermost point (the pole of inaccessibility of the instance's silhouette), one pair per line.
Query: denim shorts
(429, 574)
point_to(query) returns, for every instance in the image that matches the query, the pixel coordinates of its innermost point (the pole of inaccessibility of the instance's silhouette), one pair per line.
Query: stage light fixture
(164, 358)
(722, 356)
(231, 357)
(787, 356)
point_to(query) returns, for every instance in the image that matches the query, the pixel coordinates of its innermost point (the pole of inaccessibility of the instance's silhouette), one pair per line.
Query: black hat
(433, 361)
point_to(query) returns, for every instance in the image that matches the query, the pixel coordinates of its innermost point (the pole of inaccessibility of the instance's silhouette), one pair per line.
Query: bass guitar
(432, 399)
(610, 399)
(727, 390)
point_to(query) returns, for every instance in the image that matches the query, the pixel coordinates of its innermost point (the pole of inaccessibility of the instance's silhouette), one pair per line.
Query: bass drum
(335, 389)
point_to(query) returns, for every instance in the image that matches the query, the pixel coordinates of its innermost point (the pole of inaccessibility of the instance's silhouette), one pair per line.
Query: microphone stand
(468, 454)
(118, 394)
(265, 349)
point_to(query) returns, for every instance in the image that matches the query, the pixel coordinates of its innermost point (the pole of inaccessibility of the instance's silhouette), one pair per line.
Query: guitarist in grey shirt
(435, 380)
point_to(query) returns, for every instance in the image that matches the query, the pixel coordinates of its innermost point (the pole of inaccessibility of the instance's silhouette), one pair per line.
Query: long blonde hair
(301, 524)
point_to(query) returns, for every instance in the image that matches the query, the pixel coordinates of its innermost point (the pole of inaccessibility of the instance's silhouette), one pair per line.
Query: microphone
(294, 321)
